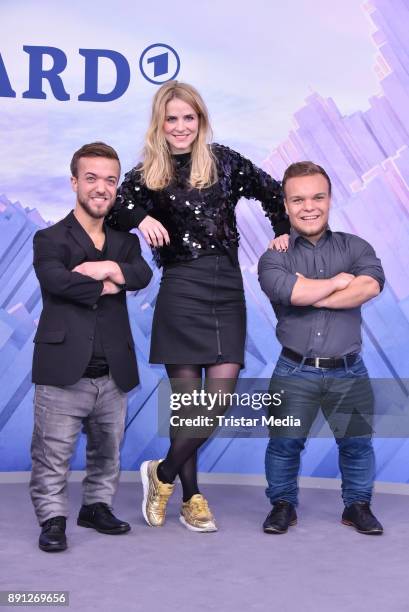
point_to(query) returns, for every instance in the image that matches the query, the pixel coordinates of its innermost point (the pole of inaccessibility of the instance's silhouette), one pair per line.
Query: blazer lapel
(80, 235)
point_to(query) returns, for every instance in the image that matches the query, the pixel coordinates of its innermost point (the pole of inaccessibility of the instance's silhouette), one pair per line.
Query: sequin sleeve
(249, 181)
(133, 202)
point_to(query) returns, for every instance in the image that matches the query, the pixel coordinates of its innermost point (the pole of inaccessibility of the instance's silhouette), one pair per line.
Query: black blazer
(72, 302)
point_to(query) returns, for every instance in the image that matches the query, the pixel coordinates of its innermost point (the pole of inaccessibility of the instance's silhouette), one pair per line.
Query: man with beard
(317, 288)
(84, 358)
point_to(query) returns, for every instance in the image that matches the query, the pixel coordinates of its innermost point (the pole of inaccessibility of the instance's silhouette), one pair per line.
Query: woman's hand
(280, 243)
(153, 231)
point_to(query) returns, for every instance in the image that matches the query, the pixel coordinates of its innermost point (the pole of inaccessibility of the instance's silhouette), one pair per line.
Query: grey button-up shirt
(317, 332)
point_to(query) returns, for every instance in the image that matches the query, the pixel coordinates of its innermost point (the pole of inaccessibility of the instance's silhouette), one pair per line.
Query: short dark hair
(304, 168)
(94, 149)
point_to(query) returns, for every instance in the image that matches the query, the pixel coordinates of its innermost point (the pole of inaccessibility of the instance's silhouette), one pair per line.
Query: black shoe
(359, 515)
(280, 518)
(99, 516)
(52, 537)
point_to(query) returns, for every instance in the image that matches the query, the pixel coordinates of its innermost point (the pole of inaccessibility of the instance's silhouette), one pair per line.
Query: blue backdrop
(305, 81)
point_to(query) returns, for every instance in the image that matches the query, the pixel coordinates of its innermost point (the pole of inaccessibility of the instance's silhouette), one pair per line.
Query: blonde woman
(182, 198)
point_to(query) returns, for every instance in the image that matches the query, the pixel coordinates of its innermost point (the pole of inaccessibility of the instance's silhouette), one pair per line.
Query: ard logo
(158, 63)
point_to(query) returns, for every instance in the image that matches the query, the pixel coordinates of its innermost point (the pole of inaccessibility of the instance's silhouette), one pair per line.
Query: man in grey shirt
(317, 287)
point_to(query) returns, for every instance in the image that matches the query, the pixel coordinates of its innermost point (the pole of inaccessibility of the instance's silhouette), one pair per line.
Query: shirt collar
(295, 236)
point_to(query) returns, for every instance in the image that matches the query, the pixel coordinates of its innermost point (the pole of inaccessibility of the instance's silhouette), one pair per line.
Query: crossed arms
(342, 291)
(87, 282)
(108, 272)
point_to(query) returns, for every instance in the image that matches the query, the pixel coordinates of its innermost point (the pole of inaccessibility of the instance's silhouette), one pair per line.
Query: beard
(95, 214)
(311, 232)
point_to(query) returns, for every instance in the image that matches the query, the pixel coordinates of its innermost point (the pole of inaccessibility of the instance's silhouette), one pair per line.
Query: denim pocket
(358, 369)
(285, 368)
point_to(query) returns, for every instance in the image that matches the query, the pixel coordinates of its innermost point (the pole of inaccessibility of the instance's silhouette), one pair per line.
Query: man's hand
(154, 232)
(358, 291)
(342, 280)
(314, 292)
(280, 243)
(110, 288)
(98, 270)
(101, 270)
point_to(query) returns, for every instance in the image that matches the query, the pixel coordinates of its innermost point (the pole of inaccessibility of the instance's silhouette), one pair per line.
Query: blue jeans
(333, 391)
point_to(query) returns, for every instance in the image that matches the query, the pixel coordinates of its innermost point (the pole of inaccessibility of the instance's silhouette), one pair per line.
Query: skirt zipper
(219, 346)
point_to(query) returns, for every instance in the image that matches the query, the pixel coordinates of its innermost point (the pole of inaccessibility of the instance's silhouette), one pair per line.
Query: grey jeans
(98, 406)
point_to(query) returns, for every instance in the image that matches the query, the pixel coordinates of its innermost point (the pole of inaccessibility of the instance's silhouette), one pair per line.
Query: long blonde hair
(157, 165)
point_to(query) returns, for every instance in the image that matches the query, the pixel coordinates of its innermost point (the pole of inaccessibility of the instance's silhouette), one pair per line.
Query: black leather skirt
(200, 313)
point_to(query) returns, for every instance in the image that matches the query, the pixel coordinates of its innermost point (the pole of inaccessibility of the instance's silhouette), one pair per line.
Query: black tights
(182, 455)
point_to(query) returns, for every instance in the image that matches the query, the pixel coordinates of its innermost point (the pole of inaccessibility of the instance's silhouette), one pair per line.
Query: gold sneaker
(195, 514)
(155, 494)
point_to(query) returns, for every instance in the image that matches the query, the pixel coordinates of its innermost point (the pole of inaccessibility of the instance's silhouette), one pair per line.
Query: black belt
(320, 362)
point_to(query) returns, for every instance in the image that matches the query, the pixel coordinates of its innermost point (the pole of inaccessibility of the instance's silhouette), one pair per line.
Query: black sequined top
(198, 220)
